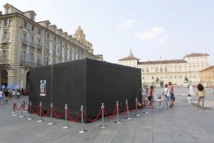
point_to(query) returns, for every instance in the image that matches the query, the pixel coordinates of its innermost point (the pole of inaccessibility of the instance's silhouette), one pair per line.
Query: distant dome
(79, 34)
(79, 31)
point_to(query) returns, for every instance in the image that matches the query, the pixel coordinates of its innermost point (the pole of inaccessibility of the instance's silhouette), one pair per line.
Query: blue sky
(152, 29)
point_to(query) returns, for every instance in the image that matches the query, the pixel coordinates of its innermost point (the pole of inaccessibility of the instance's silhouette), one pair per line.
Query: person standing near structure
(6, 96)
(201, 95)
(166, 94)
(191, 89)
(172, 96)
(151, 96)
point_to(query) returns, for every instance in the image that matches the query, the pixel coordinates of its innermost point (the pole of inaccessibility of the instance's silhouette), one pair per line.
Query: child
(189, 100)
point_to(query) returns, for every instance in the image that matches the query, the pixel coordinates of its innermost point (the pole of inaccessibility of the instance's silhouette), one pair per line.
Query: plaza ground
(180, 124)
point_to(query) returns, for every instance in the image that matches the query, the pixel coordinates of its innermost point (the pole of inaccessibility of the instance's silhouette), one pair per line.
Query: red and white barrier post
(30, 118)
(51, 123)
(22, 108)
(136, 102)
(14, 108)
(40, 113)
(66, 118)
(103, 126)
(83, 130)
(117, 106)
(128, 118)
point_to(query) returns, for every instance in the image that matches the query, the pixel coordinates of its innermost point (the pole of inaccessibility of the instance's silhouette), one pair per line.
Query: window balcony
(4, 41)
(4, 60)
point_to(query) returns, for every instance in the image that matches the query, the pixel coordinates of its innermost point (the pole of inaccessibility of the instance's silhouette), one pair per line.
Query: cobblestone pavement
(179, 124)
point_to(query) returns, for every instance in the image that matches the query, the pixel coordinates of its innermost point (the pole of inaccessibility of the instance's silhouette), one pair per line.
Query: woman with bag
(172, 96)
(167, 95)
(201, 95)
(151, 96)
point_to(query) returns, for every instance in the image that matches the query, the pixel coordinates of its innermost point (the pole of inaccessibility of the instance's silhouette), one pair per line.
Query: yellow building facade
(25, 44)
(207, 76)
(180, 72)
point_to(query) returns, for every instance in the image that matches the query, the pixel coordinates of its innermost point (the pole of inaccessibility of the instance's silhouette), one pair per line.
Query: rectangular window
(32, 16)
(25, 24)
(39, 31)
(5, 22)
(32, 39)
(24, 36)
(39, 42)
(23, 56)
(32, 28)
(5, 35)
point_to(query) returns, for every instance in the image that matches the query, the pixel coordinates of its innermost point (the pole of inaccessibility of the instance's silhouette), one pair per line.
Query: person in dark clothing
(6, 97)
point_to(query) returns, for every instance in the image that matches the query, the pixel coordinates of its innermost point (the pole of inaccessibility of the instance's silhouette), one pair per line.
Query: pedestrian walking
(151, 96)
(189, 100)
(201, 95)
(172, 96)
(166, 94)
(6, 96)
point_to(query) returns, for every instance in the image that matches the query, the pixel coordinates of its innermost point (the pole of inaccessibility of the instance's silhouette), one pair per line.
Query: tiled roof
(208, 68)
(162, 62)
(128, 58)
(196, 55)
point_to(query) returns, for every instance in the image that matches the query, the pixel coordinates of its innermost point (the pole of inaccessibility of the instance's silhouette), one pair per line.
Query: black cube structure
(85, 82)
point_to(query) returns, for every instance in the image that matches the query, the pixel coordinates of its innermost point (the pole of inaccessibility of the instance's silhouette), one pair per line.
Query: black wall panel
(85, 82)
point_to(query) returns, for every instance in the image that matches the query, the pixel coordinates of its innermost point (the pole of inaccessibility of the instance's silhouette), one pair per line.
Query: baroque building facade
(25, 44)
(207, 76)
(180, 72)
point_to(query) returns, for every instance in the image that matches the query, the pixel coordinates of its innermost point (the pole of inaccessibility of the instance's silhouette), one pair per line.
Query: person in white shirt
(166, 93)
(191, 90)
(189, 100)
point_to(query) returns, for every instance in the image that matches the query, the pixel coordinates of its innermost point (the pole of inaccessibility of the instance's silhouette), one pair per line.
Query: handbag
(173, 98)
(166, 92)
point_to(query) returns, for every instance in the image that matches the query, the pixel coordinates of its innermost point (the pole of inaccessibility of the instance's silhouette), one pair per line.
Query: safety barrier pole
(66, 118)
(137, 114)
(24, 105)
(128, 118)
(14, 108)
(103, 126)
(40, 113)
(118, 122)
(51, 123)
(30, 118)
(83, 130)
(22, 116)
(146, 106)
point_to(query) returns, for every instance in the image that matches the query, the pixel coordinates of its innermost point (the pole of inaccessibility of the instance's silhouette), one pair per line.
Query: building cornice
(162, 62)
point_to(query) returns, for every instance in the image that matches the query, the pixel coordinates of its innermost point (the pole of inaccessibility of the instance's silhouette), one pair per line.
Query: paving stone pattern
(179, 124)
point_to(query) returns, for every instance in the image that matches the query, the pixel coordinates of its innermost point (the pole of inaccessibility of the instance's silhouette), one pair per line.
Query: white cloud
(154, 33)
(126, 24)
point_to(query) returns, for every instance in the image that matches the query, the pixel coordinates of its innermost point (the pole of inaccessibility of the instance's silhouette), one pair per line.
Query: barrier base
(103, 126)
(128, 118)
(83, 131)
(118, 122)
(66, 127)
(39, 121)
(51, 123)
(29, 119)
(22, 116)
